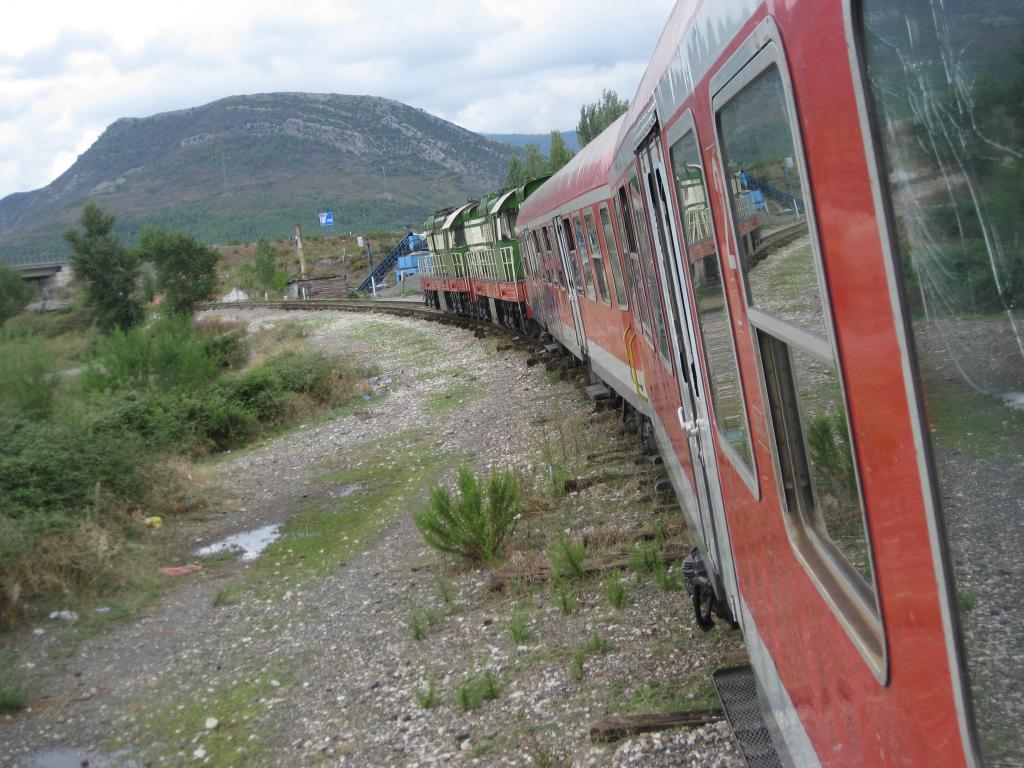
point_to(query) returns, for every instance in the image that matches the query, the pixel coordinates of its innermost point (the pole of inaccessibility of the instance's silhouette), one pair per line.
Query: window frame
(861, 618)
(596, 256)
(621, 298)
(583, 253)
(684, 126)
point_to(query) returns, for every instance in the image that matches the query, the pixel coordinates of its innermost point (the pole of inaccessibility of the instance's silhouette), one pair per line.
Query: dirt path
(309, 653)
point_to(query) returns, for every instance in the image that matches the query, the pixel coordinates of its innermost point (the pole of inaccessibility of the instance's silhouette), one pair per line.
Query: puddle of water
(1014, 400)
(62, 757)
(250, 543)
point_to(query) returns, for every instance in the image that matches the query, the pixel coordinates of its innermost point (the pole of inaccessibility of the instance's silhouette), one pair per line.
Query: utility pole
(302, 258)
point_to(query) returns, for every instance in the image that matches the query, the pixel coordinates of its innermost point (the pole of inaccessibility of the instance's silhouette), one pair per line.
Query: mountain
(520, 140)
(248, 166)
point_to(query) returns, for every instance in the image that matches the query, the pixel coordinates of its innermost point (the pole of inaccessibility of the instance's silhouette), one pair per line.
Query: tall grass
(28, 384)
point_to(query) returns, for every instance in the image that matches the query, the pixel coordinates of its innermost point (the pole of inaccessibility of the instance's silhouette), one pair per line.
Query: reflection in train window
(642, 311)
(595, 253)
(767, 196)
(946, 83)
(613, 258)
(814, 449)
(709, 293)
(570, 246)
(581, 244)
(647, 265)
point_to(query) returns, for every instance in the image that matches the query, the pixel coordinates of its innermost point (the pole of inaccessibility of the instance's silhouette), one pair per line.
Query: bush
(169, 355)
(63, 487)
(470, 526)
(27, 381)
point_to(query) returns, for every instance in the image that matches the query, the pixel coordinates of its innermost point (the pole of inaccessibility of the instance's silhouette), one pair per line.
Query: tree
(107, 270)
(265, 273)
(186, 270)
(15, 293)
(560, 153)
(534, 163)
(597, 116)
(515, 177)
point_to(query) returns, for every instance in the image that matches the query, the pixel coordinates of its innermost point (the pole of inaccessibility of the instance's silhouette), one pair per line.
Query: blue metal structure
(409, 244)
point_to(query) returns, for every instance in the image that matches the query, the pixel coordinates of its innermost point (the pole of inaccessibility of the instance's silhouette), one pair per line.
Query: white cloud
(69, 69)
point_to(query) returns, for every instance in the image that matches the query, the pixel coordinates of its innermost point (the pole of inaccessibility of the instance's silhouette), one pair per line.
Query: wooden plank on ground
(615, 728)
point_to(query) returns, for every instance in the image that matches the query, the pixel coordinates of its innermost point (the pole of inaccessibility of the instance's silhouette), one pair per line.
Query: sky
(69, 69)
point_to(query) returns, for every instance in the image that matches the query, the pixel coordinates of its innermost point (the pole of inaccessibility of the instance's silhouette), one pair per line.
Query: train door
(693, 414)
(571, 285)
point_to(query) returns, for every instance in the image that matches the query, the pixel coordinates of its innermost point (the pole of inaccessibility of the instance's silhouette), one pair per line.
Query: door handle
(692, 428)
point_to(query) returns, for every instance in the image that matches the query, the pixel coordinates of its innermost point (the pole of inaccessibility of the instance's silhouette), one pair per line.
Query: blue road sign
(327, 219)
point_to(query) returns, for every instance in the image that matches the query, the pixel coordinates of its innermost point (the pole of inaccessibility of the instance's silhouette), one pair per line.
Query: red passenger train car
(799, 257)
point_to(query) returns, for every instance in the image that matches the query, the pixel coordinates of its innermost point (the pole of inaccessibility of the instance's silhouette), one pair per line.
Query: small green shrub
(596, 645)
(666, 579)
(445, 589)
(420, 620)
(473, 526)
(27, 381)
(645, 559)
(13, 694)
(567, 558)
(476, 689)
(565, 597)
(518, 627)
(427, 697)
(579, 657)
(615, 589)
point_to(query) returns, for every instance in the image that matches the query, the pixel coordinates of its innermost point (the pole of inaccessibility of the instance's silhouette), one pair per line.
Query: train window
(813, 444)
(574, 266)
(613, 257)
(595, 255)
(547, 241)
(647, 265)
(945, 83)
(581, 244)
(711, 302)
(570, 243)
(641, 311)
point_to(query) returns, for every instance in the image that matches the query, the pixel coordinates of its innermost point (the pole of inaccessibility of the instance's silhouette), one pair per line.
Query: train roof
(587, 170)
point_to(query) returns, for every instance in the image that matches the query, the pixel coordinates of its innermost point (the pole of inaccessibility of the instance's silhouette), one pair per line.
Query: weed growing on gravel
(543, 757)
(579, 657)
(420, 620)
(476, 689)
(518, 626)
(567, 558)
(445, 589)
(645, 559)
(225, 596)
(475, 525)
(427, 697)
(13, 694)
(565, 596)
(595, 646)
(615, 589)
(666, 580)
